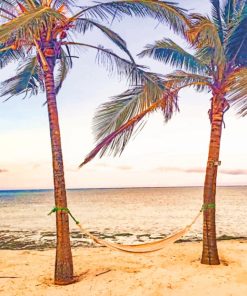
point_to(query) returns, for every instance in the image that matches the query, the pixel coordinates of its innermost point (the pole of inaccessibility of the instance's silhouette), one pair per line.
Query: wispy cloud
(75, 169)
(36, 166)
(3, 171)
(118, 167)
(233, 172)
(124, 167)
(176, 169)
(102, 165)
(201, 170)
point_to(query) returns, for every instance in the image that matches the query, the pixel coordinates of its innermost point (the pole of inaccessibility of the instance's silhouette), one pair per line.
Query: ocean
(129, 215)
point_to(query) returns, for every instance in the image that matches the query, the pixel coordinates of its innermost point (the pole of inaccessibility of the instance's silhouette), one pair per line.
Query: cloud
(119, 167)
(102, 165)
(182, 170)
(3, 171)
(36, 166)
(124, 167)
(193, 170)
(201, 170)
(233, 172)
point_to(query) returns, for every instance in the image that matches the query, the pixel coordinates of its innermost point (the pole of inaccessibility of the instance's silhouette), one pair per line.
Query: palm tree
(37, 33)
(217, 64)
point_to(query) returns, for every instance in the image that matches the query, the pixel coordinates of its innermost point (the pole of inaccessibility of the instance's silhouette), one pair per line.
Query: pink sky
(161, 155)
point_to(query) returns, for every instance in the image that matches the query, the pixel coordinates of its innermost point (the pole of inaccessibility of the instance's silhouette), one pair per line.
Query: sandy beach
(80, 193)
(176, 270)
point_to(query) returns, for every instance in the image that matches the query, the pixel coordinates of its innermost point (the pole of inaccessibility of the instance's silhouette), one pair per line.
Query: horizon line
(121, 187)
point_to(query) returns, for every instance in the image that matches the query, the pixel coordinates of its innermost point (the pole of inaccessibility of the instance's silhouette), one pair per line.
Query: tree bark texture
(210, 252)
(63, 263)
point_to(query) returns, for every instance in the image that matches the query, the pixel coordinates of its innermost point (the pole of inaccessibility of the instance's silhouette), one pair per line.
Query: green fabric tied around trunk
(66, 210)
(208, 206)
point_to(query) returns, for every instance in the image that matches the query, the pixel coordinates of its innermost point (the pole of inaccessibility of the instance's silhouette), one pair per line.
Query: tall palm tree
(37, 32)
(217, 64)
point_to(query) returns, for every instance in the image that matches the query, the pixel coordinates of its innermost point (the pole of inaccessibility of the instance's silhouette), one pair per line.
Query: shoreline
(45, 240)
(173, 271)
(117, 188)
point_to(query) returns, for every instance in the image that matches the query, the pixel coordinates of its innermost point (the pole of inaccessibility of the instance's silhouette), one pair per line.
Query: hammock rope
(141, 248)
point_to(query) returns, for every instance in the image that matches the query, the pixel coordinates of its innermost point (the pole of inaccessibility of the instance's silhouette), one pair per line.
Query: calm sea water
(120, 215)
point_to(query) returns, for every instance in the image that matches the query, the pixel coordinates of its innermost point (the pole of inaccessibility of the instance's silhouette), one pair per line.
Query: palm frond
(7, 4)
(8, 56)
(65, 64)
(28, 80)
(171, 53)
(116, 121)
(181, 79)
(163, 11)
(7, 8)
(14, 6)
(205, 54)
(204, 33)
(237, 42)
(239, 5)
(27, 25)
(111, 115)
(82, 25)
(67, 3)
(237, 87)
(115, 64)
(4, 13)
(216, 14)
(228, 11)
(118, 138)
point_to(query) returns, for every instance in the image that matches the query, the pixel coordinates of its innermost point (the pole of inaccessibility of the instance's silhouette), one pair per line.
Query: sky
(172, 154)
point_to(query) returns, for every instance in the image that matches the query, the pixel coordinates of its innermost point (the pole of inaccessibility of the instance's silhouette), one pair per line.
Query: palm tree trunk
(210, 252)
(64, 263)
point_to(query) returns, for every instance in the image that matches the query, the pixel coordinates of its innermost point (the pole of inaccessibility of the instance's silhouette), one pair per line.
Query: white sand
(175, 270)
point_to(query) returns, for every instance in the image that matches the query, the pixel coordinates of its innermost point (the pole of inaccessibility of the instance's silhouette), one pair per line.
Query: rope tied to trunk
(208, 206)
(62, 209)
(214, 162)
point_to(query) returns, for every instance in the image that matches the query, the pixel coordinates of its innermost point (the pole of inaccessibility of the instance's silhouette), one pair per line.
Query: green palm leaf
(120, 66)
(29, 80)
(64, 65)
(82, 25)
(67, 3)
(171, 53)
(116, 120)
(204, 33)
(181, 79)
(237, 41)
(117, 65)
(163, 11)
(229, 11)
(111, 115)
(205, 54)
(8, 8)
(8, 56)
(238, 90)
(8, 4)
(216, 14)
(28, 25)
